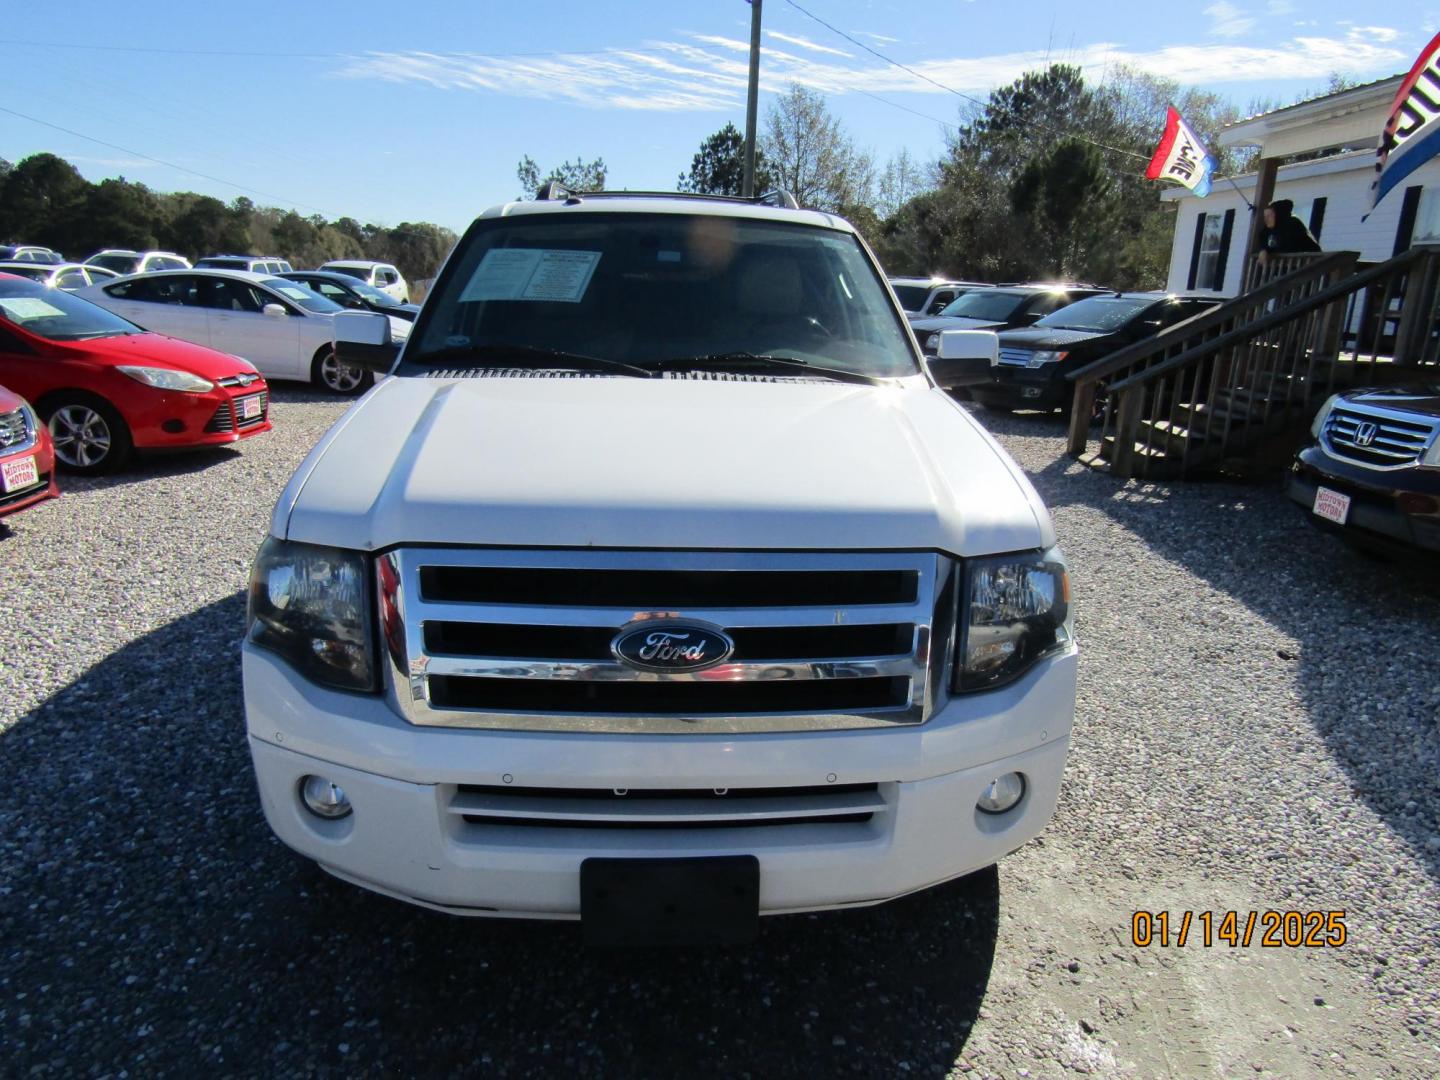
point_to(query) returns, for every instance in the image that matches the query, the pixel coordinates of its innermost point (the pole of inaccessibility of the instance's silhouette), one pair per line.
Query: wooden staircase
(1226, 389)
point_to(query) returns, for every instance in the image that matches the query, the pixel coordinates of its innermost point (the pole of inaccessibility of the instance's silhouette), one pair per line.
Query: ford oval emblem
(672, 646)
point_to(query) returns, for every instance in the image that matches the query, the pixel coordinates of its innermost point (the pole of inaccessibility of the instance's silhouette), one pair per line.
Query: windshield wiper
(759, 360)
(557, 358)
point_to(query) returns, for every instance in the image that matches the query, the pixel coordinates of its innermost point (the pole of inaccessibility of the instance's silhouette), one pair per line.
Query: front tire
(328, 373)
(90, 436)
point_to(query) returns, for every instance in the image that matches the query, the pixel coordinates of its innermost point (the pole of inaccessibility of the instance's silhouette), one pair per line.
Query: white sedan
(280, 326)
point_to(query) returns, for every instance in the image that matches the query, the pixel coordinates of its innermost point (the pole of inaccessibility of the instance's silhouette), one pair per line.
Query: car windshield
(646, 289)
(1099, 313)
(912, 297)
(34, 273)
(58, 315)
(223, 264)
(121, 264)
(374, 295)
(990, 305)
(361, 273)
(302, 295)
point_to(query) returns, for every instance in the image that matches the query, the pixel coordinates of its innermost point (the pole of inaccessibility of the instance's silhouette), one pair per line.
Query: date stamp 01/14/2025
(1238, 929)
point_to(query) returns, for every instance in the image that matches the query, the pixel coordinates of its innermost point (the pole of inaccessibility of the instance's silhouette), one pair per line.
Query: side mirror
(362, 339)
(964, 358)
(275, 311)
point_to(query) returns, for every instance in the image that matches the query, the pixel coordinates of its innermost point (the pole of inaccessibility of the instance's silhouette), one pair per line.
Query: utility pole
(753, 101)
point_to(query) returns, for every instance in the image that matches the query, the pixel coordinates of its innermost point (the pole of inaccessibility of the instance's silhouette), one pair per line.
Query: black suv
(1034, 361)
(999, 309)
(1373, 470)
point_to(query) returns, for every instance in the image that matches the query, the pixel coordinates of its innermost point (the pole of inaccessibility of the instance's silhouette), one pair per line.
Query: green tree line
(45, 200)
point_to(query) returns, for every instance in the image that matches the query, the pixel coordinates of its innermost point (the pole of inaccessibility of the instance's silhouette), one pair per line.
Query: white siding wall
(1345, 184)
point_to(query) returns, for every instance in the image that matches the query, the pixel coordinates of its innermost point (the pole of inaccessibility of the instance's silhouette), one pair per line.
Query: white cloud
(112, 163)
(804, 43)
(1227, 20)
(879, 39)
(1280, 7)
(708, 72)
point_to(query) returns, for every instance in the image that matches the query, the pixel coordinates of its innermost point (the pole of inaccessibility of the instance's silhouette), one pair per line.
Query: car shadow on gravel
(150, 922)
(1367, 630)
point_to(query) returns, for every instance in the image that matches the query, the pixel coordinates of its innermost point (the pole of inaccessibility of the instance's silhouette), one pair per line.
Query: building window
(1427, 218)
(1212, 247)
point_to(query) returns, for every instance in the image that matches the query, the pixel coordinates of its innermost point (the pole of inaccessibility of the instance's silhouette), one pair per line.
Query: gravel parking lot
(1257, 730)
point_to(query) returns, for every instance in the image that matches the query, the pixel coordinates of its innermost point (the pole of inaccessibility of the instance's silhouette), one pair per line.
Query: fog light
(1001, 793)
(173, 427)
(324, 798)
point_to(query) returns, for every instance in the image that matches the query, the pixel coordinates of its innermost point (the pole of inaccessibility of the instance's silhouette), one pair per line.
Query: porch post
(1264, 194)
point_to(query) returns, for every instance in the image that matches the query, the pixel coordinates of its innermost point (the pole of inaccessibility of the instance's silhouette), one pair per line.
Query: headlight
(1014, 611)
(311, 605)
(168, 379)
(932, 343)
(1045, 356)
(1431, 458)
(1318, 424)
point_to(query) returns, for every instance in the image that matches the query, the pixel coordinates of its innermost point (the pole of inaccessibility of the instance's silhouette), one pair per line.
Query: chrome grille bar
(1396, 442)
(449, 677)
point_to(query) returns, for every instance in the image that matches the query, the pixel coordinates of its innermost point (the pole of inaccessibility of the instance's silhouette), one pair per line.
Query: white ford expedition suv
(661, 587)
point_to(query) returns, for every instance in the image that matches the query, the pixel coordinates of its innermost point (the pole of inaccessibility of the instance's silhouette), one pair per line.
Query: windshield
(912, 297)
(374, 295)
(121, 264)
(303, 296)
(1099, 313)
(57, 315)
(223, 264)
(34, 273)
(642, 289)
(988, 304)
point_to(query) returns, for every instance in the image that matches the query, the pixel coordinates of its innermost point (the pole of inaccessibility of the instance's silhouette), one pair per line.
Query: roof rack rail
(554, 191)
(779, 197)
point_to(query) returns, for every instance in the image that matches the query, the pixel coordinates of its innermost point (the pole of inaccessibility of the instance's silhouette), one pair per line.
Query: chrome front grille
(16, 434)
(1377, 438)
(680, 808)
(1018, 357)
(522, 640)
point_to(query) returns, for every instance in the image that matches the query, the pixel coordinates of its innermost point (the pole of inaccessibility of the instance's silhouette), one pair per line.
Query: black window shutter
(1225, 232)
(1317, 217)
(1406, 229)
(1195, 250)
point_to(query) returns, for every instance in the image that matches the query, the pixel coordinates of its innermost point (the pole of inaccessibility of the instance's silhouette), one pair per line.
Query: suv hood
(953, 322)
(664, 463)
(1417, 398)
(1050, 337)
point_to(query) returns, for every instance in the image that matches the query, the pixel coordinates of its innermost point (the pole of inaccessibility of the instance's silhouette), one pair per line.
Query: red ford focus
(27, 463)
(106, 388)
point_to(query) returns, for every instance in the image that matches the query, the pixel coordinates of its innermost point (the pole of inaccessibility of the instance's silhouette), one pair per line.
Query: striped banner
(1412, 131)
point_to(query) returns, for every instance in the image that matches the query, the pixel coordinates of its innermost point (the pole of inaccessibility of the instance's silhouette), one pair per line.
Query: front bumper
(401, 840)
(12, 502)
(1396, 505)
(173, 420)
(1015, 387)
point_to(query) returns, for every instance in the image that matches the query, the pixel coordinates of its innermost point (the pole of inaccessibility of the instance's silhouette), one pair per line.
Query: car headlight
(1045, 356)
(1015, 610)
(1318, 424)
(311, 605)
(168, 379)
(932, 343)
(1431, 458)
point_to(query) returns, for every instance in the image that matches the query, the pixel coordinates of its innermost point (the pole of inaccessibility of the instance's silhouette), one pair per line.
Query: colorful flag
(1182, 157)
(1412, 131)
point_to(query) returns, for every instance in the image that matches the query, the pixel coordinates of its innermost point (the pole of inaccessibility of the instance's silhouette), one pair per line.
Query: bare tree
(810, 154)
(901, 181)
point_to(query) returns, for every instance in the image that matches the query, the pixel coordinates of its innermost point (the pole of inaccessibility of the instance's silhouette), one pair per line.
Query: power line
(159, 161)
(950, 89)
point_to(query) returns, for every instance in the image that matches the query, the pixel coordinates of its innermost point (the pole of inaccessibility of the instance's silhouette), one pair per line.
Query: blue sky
(420, 111)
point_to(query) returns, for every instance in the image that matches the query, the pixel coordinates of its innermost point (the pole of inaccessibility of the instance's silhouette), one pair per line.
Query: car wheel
(89, 435)
(328, 373)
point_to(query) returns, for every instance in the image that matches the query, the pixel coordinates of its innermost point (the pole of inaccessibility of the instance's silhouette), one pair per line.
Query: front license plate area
(705, 901)
(1331, 505)
(19, 474)
(250, 407)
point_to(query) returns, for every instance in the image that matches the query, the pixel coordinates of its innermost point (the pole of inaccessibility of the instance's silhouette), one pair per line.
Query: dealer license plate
(1331, 505)
(250, 407)
(18, 474)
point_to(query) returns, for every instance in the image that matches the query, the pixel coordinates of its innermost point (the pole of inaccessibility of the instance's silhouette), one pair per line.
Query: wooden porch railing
(1259, 273)
(1210, 388)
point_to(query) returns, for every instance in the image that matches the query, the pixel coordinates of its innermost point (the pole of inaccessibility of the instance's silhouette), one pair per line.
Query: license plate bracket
(250, 407)
(19, 474)
(712, 900)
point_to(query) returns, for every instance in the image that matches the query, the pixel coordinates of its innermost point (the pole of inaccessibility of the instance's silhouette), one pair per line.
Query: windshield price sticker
(21, 308)
(532, 274)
